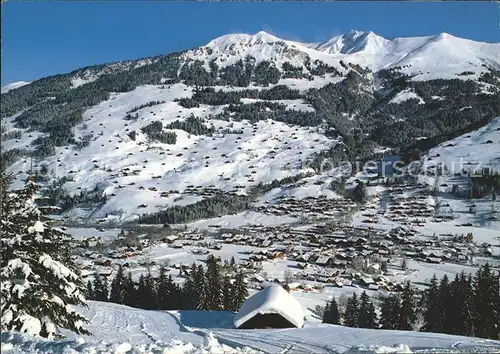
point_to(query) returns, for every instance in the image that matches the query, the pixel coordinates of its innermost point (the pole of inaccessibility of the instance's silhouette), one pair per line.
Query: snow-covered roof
(273, 299)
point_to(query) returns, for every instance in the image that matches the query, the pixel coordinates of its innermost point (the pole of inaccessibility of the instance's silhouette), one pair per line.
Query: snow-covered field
(119, 329)
(265, 151)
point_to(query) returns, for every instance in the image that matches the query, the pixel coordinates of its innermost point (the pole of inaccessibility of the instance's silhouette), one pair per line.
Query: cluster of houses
(311, 206)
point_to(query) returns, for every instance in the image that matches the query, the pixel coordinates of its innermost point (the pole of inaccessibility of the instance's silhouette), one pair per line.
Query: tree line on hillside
(216, 206)
(192, 125)
(155, 132)
(203, 289)
(468, 306)
(148, 104)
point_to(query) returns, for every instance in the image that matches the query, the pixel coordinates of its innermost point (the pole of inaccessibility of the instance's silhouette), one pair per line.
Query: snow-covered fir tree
(40, 283)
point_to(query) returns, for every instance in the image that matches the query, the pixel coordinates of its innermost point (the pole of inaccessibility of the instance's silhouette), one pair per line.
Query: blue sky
(47, 37)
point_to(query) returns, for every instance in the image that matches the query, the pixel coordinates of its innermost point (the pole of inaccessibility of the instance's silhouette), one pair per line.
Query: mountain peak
(243, 39)
(352, 42)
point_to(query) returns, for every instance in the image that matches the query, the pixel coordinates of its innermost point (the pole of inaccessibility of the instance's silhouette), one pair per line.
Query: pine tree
(141, 293)
(443, 301)
(373, 318)
(432, 307)
(465, 306)
(214, 284)
(176, 300)
(98, 284)
(129, 292)
(487, 303)
(151, 292)
(116, 293)
(240, 292)
(407, 315)
(366, 316)
(455, 301)
(351, 314)
(200, 285)
(39, 280)
(331, 314)
(189, 292)
(90, 292)
(389, 312)
(227, 293)
(163, 290)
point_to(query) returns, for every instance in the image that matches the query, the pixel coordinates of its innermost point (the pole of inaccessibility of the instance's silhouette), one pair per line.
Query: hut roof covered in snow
(270, 301)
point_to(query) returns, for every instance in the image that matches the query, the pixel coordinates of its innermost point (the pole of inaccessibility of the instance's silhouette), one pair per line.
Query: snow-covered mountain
(425, 58)
(14, 85)
(439, 56)
(241, 111)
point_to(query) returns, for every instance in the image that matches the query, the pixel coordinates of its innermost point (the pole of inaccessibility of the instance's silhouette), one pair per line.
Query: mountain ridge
(236, 117)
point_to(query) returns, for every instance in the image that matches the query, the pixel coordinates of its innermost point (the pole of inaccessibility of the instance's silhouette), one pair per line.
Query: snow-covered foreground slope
(120, 329)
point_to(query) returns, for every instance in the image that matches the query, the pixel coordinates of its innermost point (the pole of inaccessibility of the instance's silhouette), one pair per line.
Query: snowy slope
(14, 85)
(474, 150)
(120, 329)
(265, 151)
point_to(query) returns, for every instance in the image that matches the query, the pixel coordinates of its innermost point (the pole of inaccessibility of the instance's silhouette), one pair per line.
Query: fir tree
(163, 290)
(351, 314)
(189, 290)
(432, 307)
(331, 314)
(151, 292)
(366, 314)
(407, 315)
(100, 288)
(175, 295)
(116, 293)
(200, 284)
(240, 292)
(39, 280)
(90, 292)
(141, 293)
(214, 284)
(389, 312)
(467, 306)
(487, 303)
(443, 301)
(129, 292)
(227, 293)
(373, 318)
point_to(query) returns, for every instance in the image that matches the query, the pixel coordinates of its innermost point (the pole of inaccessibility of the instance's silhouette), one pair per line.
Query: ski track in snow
(114, 326)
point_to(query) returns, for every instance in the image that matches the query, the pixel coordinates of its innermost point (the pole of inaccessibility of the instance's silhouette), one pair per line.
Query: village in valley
(326, 247)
